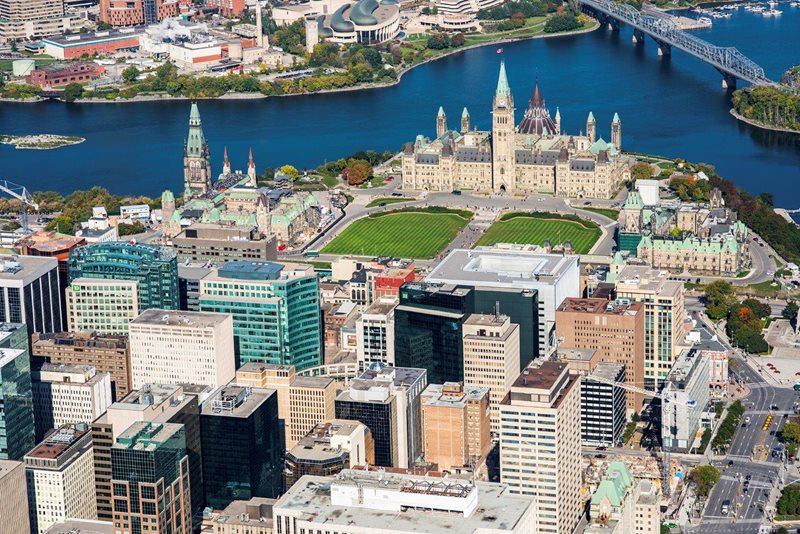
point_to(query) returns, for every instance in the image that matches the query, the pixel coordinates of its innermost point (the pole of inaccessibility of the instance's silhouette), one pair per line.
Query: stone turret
(503, 178)
(616, 132)
(591, 128)
(558, 121)
(251, 169)
(441, 122)
(226, 163)
(464, 121)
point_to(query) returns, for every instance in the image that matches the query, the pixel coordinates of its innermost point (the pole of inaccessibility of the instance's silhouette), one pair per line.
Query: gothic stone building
(532, 156)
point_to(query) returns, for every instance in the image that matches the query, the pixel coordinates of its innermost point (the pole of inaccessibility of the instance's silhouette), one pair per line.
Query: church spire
(441, 123)
(536, 99)
(251, 168)
(196, 140)
(226, 163)
(502, 81)
(558, 121)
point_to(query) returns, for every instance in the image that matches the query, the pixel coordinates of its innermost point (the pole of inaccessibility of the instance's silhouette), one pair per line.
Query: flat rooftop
(316, 445)
(608, 370)
(480, 319)
(235, 401)
(381, 307)
(258, 510)
(146, 435)
(573, 354)
(9, 355)
(449, 395)
(57, 443)
(647, 279)
(403, 376)
(501, 268)
(257, 367)
(81, 526)
(542, 376)
(311, 382)
(25, 268)
(600, 306)
(185, 319)
(95, 37)
(497, 509)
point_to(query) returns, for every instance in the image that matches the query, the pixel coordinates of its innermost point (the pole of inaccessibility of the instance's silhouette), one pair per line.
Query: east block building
(533, 156)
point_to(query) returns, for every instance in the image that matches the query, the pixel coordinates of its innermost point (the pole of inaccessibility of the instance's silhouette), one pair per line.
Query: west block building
(531, 157)
(178, 347)
(540, 443)
(60, 475)
(275, 309)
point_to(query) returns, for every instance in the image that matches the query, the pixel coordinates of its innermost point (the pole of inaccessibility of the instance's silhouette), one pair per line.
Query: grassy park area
(535, 228)
(405, 233)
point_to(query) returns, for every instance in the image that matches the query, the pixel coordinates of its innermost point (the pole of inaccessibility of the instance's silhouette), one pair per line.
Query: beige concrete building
(375, 334)
(491, 358)
(311, 400)
(615, 329)
(13, 497)
(242, 517)
(531, 157)
(60, 475)
(101, 305)
(106, 353)
(540, 444)
(455, 426)
(31, 19)
(664, 312)
(269, 376)
(181, 347)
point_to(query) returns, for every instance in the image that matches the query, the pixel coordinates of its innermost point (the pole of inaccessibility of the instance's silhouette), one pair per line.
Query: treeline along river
(672, 107)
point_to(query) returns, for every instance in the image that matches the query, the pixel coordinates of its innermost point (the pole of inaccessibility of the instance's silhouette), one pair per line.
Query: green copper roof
(591, 117)
(196, 139)
(614, 486)
(167, 196)
(502, 82)
(441, 112)
(464, 114)
(598, 146)
(634, 201)
(616, 118)
(361, 13)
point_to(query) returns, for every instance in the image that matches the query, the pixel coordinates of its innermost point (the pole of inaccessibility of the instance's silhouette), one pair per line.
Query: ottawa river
(674, 108)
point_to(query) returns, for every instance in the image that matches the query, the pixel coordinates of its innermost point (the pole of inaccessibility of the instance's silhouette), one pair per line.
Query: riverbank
(502, 37)
(761, 125)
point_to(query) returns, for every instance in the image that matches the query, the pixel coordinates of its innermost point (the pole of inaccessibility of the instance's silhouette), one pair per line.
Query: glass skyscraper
(275, 309)
(155, 268)
(242, 445)
(16, 397)
(30, 293)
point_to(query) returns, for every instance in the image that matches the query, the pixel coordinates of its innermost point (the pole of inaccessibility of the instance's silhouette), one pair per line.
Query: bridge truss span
(732, 64)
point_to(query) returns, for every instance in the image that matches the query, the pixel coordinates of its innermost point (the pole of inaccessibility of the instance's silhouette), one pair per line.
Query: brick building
(60, 76)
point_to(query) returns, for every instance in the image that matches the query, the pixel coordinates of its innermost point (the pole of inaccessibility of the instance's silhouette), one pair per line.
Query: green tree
(704, 478)
(130, 74)
(290, 171)
(130, 229)
(790, 311)
(791, 431)
(72, 92)
(641, 171)
(457, 40)
(438, 41)
(782, 530)
(562, 22)
(719, 298)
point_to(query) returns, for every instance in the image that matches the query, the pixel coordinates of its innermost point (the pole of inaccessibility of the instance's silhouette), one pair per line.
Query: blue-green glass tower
(153, 266)
(16, 397)
(275, 309)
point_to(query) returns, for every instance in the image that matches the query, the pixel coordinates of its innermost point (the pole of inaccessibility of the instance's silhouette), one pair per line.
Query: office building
(455, 426)
(153, 267)
(60, 476)
(136, 12)
(81, 526)
(106, 353)
(275, 309)
(101, 305)
(30, 292)
(150, 480)
(687, 392)
(189, 277)
(330, 447)
(356, 501)
(540, 443)
(242, 448)
(271, 376)
(244, 517)
(14, 497)
(663, 301)
(17, 430)
(31, 19)
(615, 329)
(178, 347)
(491, 358)
(375, 334)
(622, 505)
(156, 403)
(64, 393)
(217, 244)
(498, 271)
(311, 400)
(387, 400)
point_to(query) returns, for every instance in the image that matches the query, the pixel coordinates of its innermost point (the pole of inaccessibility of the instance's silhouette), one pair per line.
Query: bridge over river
(732, 64)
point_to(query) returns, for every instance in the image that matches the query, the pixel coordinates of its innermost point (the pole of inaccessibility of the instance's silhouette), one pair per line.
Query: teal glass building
(17, 433)
(275, 309)
(155, 268)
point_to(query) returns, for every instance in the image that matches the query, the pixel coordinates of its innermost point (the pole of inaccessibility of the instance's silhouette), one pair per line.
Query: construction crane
(665, 399)
(21, 193)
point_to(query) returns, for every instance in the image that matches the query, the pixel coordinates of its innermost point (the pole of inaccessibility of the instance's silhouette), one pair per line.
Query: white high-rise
(540, 443)
(375, 334)
(181, 347)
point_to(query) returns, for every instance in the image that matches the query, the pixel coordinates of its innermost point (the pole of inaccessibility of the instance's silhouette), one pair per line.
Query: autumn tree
(357, 171)
(704, 477)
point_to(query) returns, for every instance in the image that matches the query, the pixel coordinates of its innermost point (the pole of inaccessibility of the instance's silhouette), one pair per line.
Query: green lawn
(606, 212)
(389, 200)
(534, 229)
(410, 233)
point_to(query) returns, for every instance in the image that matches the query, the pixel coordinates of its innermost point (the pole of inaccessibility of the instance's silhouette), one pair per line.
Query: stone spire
(502, 82)
(226, 163)
(196, 157)
(464, 121)
(251, 168)
(441, 122)
(616, 132)
(196, 139)
(591, 127)
(558, 121)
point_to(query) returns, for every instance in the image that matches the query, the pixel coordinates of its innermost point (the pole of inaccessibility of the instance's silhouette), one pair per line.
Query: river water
(673, 107)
